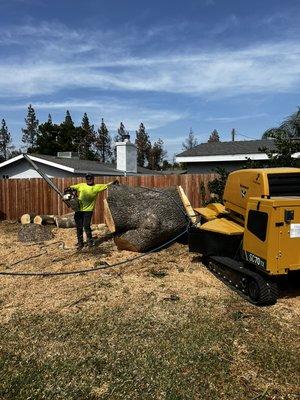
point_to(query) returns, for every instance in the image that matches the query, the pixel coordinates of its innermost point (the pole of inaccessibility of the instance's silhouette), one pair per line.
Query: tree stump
(35, 233)
(143, 218)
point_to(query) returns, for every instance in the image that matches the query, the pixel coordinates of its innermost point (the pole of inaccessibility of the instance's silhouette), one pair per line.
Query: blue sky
(174, 65)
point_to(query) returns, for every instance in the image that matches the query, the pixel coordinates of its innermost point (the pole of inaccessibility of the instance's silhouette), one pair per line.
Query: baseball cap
(89, 176)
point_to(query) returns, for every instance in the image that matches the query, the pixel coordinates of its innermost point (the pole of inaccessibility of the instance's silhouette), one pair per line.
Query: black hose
(97, 268)
(105, 266)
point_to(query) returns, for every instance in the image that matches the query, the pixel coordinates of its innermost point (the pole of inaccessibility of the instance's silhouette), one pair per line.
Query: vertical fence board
(20, 196)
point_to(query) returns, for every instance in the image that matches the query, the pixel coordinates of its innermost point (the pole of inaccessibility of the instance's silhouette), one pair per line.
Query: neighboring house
(68, 164)
(230, 155)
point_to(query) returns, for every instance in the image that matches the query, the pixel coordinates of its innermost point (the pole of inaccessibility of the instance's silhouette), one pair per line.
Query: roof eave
(226, 157)
(104, 173)
(11, 160)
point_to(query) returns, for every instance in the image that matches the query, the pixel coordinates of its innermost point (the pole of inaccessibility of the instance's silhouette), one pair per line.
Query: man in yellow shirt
(87, 194)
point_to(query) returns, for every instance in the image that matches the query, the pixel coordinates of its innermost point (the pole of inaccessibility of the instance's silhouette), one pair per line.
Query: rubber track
(267, 288)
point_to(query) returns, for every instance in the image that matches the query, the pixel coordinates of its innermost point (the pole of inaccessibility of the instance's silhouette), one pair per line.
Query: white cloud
(237, 117)
(210, 2)
(264, 68)
(56, 58)
(113, 110)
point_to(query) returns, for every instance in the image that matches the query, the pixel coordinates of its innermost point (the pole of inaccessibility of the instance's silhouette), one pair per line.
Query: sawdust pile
(172, 271)
(171, 274)
(34, 233)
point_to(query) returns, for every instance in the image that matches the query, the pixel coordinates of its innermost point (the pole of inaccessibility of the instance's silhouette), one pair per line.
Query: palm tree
(289, 128)
(286, 142)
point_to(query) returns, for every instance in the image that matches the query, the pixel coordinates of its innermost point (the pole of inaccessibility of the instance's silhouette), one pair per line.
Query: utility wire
(247, 137)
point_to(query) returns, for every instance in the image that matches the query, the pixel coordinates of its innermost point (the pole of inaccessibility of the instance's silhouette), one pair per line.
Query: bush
(217, 186)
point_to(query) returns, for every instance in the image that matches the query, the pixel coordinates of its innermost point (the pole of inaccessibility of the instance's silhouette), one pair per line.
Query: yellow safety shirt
(87, 194)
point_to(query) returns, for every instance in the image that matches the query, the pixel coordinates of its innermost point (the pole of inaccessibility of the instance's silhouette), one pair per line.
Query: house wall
(22, 169)
(209, 167)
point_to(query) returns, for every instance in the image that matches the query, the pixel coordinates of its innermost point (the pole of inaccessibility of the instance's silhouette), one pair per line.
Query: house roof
(226, 151)
(228, 148)
(76, 165)
(174, 171)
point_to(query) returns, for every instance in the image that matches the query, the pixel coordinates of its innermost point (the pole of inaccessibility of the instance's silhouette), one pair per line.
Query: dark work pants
(83, 220)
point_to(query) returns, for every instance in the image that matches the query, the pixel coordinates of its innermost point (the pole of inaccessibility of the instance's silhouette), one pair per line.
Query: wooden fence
(20, 196)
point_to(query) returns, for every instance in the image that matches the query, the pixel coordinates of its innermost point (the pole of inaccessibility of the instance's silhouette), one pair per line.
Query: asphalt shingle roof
(228, 148)
(92, 166)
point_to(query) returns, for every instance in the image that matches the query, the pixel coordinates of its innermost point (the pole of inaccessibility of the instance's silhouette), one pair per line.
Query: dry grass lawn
(159, 328)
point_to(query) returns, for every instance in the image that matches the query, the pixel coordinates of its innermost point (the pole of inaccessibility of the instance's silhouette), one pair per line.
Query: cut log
(65, 221)
(187, 205)
(44, 219)
(108, 217)
(27, 218)
(99, 227)
(144, 218)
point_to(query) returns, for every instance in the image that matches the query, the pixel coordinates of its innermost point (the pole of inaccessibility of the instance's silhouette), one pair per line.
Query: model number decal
(253, 259)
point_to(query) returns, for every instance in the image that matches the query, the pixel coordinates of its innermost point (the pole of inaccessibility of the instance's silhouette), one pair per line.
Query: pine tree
(68, 119)
(103, 143)
(190, 142)
(47, 140)
(214, 136)
(143, 145)
(30, 133)
(86, 139)
(157, 155)
(67, 138)
(5, 140)
(122, 133)
(120, 137)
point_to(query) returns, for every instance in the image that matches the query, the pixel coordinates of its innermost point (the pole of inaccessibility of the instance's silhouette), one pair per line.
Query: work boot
(79, 246)
(91, 243)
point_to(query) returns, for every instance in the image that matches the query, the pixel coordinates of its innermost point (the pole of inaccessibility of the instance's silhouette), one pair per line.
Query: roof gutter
(225, 157)
(77, 171)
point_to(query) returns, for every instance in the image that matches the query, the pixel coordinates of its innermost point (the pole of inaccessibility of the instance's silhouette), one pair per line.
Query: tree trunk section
(144, 218)
(44, 219)
(65, 221)
(27, 218)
